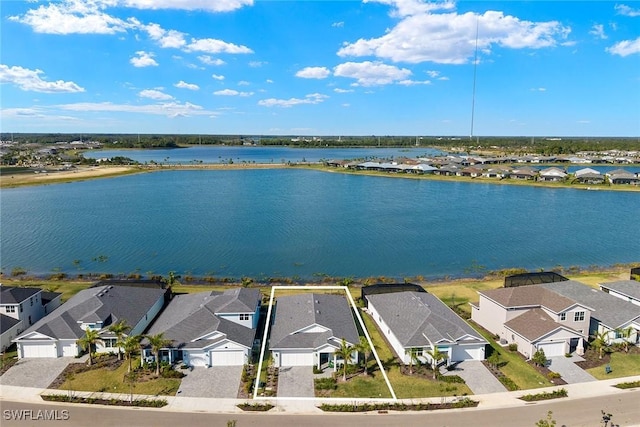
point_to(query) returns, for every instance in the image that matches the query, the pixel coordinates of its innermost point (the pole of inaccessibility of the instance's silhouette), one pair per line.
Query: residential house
(621, 176)
(523, 173)
(209, 328)
(589, 176)
(20, 307)
(627, 290)
(308, 328)
(534, 318)
(95, 308)
(418, 322)
(552, 175)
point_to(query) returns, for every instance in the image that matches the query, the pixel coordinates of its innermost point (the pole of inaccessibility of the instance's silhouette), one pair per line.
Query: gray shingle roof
(15, 295)
(534, 324)
(7, 322)
(630, 288)
(296, 312)
(189, 317)
(607, 309)
(523, 296)
(419, 319)
(106, 303)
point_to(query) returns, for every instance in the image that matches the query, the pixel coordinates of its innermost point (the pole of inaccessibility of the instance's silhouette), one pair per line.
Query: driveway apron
(568, 370)
(217, 381)
(477, 377)
(295, 381)
(39, 372)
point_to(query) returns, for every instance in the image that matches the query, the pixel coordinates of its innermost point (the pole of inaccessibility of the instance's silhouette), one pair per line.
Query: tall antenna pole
(475, 69)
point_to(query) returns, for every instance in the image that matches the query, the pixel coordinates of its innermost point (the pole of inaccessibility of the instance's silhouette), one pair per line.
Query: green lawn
(104, 380)
(622, 365)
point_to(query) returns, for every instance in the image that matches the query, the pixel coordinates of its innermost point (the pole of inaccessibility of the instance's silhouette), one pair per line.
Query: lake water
(305, 223)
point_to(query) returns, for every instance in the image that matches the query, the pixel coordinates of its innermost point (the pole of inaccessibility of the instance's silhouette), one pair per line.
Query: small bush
(553, 375)
(513, 347)
(545, 396)
(325, 383)
(631, 384)
(452, 379)
(317, 371)
(508, 383)
(255, 407)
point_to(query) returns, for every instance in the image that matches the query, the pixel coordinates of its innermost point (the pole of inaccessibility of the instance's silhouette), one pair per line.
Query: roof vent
(318, 311)
(317, 302)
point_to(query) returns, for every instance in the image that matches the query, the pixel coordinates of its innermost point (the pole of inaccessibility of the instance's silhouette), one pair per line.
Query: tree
(119, 329)
(131, 345)
(625, 334)
(413, 358)
(539, 358)
(494, 359)
(436, 357)
(344, 352)
(365, 348)
(88, 341)
(157, 343)
(548, 422)
(600, 342)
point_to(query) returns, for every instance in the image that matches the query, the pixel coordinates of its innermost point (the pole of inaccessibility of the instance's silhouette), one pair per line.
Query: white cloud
(215, 46)
(403, 8)
(231, 92)
(313, 98)
(371, 73)
(166, 38)
(206, 5)
(538, 89)
(314, 73)
(598, 31)
(413, 82)
(144, 59)
(217, 77)
(338, 90)
(183, 85)
(206, 59)
(269, 81)
(243, 83)
(72, 17)
(625, 47)
(257, 64)
(154, 94)
(169, 109)
(623, 9)
(449, 38)
(338, 24)
(31, 80)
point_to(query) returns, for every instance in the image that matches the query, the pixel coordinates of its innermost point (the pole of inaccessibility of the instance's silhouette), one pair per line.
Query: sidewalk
(309, 405)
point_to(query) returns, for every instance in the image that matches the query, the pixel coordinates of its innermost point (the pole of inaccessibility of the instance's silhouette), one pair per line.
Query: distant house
(534, 318)
(523, 173)
(420, 322)
(589, 176)
(470, 171)
(308, 328)
(95, 308)
(552, 175)
(209, 328)
(447, 170)
(627, 290)
(20, 307)
(621, 176)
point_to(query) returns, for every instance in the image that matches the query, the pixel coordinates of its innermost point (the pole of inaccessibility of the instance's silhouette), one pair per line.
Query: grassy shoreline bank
(9, 180)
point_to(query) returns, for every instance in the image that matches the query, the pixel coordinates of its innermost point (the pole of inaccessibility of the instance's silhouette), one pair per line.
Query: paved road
(573, 413)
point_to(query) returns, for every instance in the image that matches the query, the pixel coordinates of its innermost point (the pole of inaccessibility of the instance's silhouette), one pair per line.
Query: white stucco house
(20, 307)
(308, 328)
(419, 321)
(626, 290)
(209, 328)
(97, 308)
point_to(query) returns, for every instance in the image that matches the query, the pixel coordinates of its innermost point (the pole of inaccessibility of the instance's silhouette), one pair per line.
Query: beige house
(534, 318)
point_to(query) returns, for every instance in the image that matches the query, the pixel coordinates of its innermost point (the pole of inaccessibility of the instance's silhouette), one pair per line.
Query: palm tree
(625, 334)
(436, 356)
(365, 348)
(88, 341)
(600, 342)
(413, 358)
(344, 352)
(131, 345)
(119, 329)
(157, 343)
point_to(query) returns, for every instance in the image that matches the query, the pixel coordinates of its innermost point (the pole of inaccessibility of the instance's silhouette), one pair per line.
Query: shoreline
(96, 172)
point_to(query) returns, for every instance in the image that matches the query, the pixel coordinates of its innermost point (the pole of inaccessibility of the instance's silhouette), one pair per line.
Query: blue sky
(378, 67)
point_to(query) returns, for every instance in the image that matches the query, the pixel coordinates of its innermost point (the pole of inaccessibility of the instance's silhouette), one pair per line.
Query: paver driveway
(568, 370)
(477, 377)
(295, 381)
(37, 373)
(217, 381)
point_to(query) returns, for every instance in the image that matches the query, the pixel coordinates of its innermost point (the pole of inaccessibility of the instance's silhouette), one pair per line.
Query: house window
(418, 352)
(245, 317)
(20, 308)
(579, 316)
(11, 309)
(563, 316)
(31, 300)
(109, 342)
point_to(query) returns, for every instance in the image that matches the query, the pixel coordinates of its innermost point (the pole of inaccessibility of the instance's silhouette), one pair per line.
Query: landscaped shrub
(630, 384)
(553, 375)
(325, 383)
(255, 407)
(508, 383)
(545, 396)
(513, 347)
(316, 370)
(367, 407)
(147, 403)
(454, 379)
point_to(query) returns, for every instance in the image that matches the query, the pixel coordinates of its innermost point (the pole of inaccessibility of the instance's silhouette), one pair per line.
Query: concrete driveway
(37, 373)
(568, 370)
(217, 381)
(477, 377)
(295, 381)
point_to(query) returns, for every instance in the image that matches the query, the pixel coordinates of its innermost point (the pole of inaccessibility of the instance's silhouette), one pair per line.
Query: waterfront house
(525, 173)
(209, 328)
(96, 308)
(589, 176)
(534, 318)
(552, 175)
(417, 322)
(20, 307)
(308, 328)
(621, 176)
(627, 290)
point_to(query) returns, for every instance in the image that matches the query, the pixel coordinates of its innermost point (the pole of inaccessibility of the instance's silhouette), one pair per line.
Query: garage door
(197, 361)
(227, 358)
(70, 350)
(296, 359)
(461, 353)
(47, 349)
(553, 349)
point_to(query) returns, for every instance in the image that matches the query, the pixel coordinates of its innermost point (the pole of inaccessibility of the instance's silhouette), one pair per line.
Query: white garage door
(553, 349)
(227, 358)
(33, 349)
(461, 353)
(198, 361)
(70, 350)
(296, 359)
